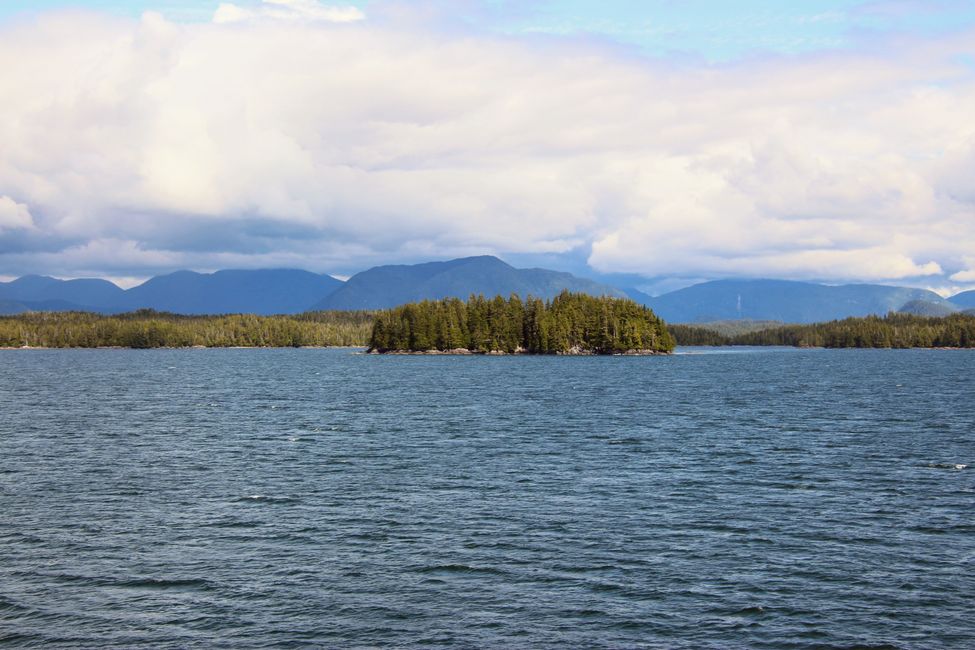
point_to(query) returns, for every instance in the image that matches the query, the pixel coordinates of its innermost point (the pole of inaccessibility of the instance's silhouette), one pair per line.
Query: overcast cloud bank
(304, 135)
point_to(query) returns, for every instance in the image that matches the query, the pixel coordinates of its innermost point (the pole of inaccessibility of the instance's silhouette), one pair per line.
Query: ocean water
(320, 498)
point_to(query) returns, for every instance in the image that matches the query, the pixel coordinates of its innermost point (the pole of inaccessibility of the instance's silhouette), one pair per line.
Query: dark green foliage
(150, 329)
(891, 331)
(929, 308)
(733, 328)
(570, 322)
(694, 335)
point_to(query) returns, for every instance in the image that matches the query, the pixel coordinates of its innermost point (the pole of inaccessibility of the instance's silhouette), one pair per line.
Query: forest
(151, 329)
(892, 331)
(570, 323)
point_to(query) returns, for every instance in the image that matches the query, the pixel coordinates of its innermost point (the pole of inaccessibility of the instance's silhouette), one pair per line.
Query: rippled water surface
(243, 498)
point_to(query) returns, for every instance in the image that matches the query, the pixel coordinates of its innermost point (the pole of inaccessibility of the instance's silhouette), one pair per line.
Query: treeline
(895, 330)
(891, 331)
(697, 335)
(150, 329)
(569, 323)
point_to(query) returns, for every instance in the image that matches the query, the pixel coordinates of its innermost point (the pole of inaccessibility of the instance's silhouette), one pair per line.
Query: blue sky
(662, 141)
(715, 30)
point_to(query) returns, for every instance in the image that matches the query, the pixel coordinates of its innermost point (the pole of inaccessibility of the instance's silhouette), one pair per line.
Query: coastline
(464, 352)
(455, 352)
(192, 347)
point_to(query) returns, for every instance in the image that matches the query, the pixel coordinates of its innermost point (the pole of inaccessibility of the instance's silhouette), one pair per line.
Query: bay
(305, 498)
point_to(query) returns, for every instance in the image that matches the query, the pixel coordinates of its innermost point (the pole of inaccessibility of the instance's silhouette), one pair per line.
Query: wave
(263, 498)
(459, 568)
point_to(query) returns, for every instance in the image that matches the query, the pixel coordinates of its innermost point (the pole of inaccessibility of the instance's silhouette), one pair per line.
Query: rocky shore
(572, 352)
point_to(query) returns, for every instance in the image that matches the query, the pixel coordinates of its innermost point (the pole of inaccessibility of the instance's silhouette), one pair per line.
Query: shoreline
(464, 352)
(193, 347)
(456, 352)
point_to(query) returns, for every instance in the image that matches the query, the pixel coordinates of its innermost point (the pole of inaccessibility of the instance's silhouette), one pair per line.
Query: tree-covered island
(570, 323)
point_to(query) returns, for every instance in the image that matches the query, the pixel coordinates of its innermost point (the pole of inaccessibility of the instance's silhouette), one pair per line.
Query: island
(569, 324)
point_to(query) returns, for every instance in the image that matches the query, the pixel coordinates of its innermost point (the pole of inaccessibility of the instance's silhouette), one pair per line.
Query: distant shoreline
(464, 352)
(460, 352)
(194, 347)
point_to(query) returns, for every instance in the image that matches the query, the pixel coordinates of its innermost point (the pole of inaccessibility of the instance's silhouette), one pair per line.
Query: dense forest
(892, 331)
(150, 329)
(569, 323)
(697, 335)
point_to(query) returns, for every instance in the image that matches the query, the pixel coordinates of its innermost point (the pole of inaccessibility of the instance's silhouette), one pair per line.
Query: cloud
(14, 216)
(285, 135)
(967, 275)
(292, 10)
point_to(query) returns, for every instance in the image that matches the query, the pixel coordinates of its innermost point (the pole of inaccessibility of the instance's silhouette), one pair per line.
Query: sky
(662, 142)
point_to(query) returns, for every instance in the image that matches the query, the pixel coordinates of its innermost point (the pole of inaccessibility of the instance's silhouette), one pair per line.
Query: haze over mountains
(282, 291)
(785, 301)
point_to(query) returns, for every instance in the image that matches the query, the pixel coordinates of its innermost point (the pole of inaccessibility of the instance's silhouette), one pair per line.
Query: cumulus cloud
(13, 215)
(296, 134)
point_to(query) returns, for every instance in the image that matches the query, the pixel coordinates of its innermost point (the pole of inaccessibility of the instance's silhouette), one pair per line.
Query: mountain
(928, 308)
(282, 291)
(91, 293)
(277, 291)
(637, 296)
(965, 300)
(387, 286)
(10, 307)
(782, 300)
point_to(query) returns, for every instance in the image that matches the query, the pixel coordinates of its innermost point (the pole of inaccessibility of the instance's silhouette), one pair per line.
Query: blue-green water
(292, 498)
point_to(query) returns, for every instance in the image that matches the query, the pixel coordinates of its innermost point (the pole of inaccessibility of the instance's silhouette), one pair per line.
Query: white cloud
(14, 216)
(968, 273)
(293, 10)
(309, 139)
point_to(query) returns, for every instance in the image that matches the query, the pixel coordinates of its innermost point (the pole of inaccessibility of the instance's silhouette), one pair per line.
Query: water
(293, 498)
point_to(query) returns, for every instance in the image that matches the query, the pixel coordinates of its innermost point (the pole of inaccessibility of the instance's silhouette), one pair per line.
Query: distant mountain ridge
(263, 292)
(783, 300)
(266, 292)
(9, 307)
(965, 299)
(286, 291)
(289, 291)
(38, 288)
(388, 286)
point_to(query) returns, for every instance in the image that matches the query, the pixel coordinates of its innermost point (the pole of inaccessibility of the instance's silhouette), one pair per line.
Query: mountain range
(785, 301)
(283, 291)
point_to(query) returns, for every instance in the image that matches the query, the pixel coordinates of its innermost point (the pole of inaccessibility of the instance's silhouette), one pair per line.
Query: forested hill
(570, 323)
(891, 331)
